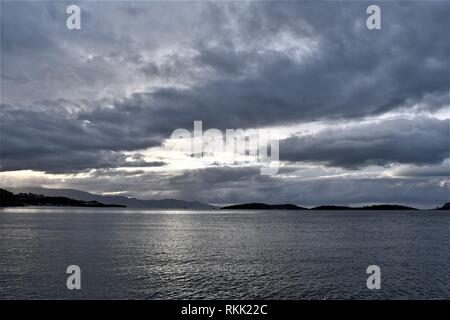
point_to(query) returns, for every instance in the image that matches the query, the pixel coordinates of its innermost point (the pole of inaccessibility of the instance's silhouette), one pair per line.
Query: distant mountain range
(115, 200)
(264, 206)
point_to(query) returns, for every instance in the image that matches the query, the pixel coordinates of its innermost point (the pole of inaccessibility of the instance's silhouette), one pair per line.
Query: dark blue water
(130, 254)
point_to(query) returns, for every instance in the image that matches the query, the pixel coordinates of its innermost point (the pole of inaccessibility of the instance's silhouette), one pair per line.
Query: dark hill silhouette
(264, 206)
(9, 199)
(445, 206)
(387, 207)
(120, 200)
(373, 207)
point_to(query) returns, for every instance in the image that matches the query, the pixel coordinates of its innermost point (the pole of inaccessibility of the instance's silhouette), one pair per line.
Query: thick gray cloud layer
(76, 100)
(414, 141)
(55, 142)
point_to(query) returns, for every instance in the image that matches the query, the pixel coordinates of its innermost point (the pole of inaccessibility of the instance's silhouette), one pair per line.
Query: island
(9, 199)
(264, 206)
(379, 207)
(372, 207)
(65, 197)
(444, 207)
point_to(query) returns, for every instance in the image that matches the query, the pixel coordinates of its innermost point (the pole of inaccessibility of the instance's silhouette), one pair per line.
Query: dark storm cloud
(352, 73)
(415, 141)
(440, 170)
(56, 142)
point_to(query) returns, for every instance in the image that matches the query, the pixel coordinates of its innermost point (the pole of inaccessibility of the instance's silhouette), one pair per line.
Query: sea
(219, 254)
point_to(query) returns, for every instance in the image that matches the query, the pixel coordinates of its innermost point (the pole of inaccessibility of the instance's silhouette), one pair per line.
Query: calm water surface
(136, 254)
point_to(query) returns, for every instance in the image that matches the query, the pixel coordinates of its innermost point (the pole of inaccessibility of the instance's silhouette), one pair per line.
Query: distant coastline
(265, 206)
(110, 200)
(10, 199)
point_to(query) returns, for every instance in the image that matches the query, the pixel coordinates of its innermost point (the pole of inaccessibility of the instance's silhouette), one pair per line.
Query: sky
(362, 116)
